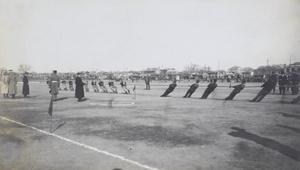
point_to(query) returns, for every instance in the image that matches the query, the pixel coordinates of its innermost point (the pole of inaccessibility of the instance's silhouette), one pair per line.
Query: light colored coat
(54, 83)
(4, 85)
(12, 83)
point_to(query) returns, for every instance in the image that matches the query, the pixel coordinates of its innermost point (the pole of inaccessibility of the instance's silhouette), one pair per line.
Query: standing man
(192, 89)
(274, 79)
(79, 92)
(210, 88)
(282, 82)
(295, 78)
(54, 84)
(12, 84)
(266, 89)
(147, 81)
(170, 89)
(237, 89)
(4, 86)
(25, 90)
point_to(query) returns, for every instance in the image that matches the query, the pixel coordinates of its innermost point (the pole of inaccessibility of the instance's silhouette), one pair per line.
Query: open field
(117, 132)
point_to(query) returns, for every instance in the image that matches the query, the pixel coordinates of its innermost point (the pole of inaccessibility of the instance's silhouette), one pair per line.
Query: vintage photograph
(149, 85)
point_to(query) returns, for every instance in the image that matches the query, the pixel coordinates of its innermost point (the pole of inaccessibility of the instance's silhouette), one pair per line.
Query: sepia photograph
(149, 85)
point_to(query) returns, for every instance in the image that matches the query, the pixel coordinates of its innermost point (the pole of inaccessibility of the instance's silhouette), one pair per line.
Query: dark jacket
(194, 87)
(79, 92)
(267, 86)
(211, 87)
(25, 90)
(282, 80)
(238, 88)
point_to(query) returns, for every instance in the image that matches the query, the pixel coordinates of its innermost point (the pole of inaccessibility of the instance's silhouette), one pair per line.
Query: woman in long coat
(25, 90)
(12, 83)
(79, 92)
(4, 86)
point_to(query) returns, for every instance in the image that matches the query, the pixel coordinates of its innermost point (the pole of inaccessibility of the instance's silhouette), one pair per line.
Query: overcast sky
(112, 35)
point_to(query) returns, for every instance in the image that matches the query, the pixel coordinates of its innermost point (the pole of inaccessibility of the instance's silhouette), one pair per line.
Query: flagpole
(51, 125)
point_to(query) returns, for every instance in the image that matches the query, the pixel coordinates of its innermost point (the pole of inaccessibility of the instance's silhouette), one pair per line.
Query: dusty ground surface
(117, 132)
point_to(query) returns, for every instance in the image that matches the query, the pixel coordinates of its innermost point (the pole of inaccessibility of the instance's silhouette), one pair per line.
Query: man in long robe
(54, 84)
(79, 92)
(25, 90)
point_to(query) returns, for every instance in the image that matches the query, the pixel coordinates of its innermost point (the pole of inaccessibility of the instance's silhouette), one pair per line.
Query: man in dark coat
(295, 78)
(79, 92)
(170, 89)
(25, 90)
(210, 88)
(237, 89)
(282, 82)
(192, 89)
(274, 79)
(147, 81)
(266, 89)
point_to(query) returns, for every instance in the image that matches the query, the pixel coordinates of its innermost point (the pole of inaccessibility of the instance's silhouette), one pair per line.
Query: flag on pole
(50, 107)
(133, 88)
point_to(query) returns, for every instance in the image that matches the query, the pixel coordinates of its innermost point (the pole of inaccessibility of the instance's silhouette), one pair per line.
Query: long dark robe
(25, 90)
(79, 92)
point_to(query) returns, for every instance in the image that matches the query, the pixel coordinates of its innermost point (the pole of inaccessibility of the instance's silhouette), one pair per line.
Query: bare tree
(192, 68)
(24, 68)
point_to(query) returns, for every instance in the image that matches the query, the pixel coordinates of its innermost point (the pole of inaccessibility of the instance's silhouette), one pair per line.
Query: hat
(78, 73)
(54, 71)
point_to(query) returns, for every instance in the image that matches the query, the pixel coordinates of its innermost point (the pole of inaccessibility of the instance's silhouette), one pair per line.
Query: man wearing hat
(4, 86)
(79, 92)
(54, 84)
(237, 89)
(25, 90)
(282, 82)
(12, 83)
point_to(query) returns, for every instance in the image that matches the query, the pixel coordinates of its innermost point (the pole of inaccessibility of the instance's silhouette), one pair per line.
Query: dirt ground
(117, 132)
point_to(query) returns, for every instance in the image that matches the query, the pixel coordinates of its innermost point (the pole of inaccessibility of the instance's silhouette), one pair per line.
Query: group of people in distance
(210, 88)
(54, 86)
(267, 87)
(9, 84)
(10, 79)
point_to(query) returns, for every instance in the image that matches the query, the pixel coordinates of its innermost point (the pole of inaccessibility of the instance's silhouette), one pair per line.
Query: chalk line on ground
(83, 145)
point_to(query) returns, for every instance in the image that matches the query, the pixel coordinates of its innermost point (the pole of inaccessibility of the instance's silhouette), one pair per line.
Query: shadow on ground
(269, 143)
